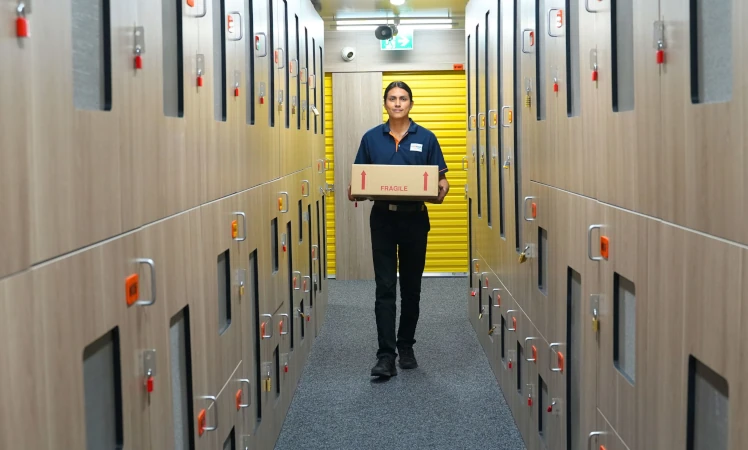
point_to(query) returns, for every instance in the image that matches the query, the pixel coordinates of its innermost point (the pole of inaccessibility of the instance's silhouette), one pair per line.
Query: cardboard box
(390, 182)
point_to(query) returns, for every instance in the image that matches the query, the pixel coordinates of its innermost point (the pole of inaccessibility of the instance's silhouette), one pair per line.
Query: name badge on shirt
(416, 147)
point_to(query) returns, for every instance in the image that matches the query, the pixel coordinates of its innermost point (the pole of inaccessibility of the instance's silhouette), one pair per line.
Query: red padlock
(555, 87)
(149, 384)
(550, 408)
(285, 368)
(510, 364)
(236, 92)
(529, 400)
(594, 75)
(262, 100)
(660, 56)
(22, 27)
(199, 81)
(138, 62)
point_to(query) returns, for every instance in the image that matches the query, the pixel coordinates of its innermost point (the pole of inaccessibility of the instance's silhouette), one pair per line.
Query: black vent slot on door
(102, 385)
(224, 292)
(181, 380)
(708, 408)
(291, 276)
(573, 368)
(254, 290)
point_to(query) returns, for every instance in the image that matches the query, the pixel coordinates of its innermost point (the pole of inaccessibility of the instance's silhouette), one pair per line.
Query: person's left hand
(443, 190)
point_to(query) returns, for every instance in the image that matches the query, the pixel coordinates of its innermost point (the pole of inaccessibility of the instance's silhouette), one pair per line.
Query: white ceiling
(373, 8)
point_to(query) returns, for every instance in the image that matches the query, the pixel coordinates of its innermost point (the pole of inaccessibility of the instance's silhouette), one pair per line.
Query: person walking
(399, 229)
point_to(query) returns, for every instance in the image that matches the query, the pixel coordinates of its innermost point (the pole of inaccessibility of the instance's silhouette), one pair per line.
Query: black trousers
(398, 235)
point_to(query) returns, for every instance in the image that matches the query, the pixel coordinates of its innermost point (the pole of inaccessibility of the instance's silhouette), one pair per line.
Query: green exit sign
(403, 41)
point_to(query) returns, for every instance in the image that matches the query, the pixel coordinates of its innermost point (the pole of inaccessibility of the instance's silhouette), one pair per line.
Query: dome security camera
(348, 53)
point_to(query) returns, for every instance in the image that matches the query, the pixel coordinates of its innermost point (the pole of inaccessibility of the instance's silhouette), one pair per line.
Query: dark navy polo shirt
(418, 147)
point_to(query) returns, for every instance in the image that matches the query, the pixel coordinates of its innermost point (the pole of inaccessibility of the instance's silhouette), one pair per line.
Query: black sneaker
(407, 358)
(385, 367)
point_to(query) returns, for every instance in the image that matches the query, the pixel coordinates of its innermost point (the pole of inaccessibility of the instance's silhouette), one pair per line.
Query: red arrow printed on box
(425, 181)
(363, 180)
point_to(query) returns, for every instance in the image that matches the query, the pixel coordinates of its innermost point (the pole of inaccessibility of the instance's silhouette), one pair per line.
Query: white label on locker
(556, 22)
(234, 26)
(261, 48)
(194, 8)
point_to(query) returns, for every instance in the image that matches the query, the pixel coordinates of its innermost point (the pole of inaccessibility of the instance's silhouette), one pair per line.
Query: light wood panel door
(539, 215)
(221, 263)
(493, 168)
(572, 350)
(93, 346)
(79, 107)
(15, 149)
(172, 244)
(356, 115)
(703, 163)
(21, 363)
(622, 378)
(628, 104)
(159, 160)
(577, 101)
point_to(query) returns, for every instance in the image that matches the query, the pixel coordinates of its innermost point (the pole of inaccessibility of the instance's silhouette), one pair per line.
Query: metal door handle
(285, 203)
(524, 207)
(307, 277)
(593, 434)
(244, 226)
(589, 243)
(305, 192)
(215, 408)
(531, 359)
(555, 344)
(496, 296)
(152, 265)
(503, 124)
(494, 126)
(283, 333)
(509, 314)
(269, 325)
(249, 393)
(297, 288)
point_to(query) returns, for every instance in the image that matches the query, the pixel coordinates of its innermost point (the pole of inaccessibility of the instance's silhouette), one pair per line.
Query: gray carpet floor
(451, 401)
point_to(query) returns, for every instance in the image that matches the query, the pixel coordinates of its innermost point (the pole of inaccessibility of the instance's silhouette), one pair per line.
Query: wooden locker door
(220, 174)
(513, 275)
(258, 135)
(93, 341)
(21, 357)
(481, 124)
(493, 131)
(629, 104)
(296, 153)
(704, 165)
(79, 104)
(221, 262)
(493, 351)
(712, 287)
(539, 125)
(573, 343)
(305, 301)
(664, 403)
(577, 101)
(622, 379)
(172, 246)
(159, 159)
(539, 222)
(15, 142)
(227, 411)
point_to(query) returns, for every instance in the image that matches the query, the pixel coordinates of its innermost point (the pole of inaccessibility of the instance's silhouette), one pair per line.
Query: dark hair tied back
(398, 84)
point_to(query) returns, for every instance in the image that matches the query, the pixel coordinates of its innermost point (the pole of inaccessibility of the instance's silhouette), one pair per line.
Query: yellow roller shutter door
(439, 106)
(330, 155)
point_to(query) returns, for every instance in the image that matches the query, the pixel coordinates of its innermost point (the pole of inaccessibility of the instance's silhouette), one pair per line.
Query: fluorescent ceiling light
(397, 2)
(436, 26)
(403, 22)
